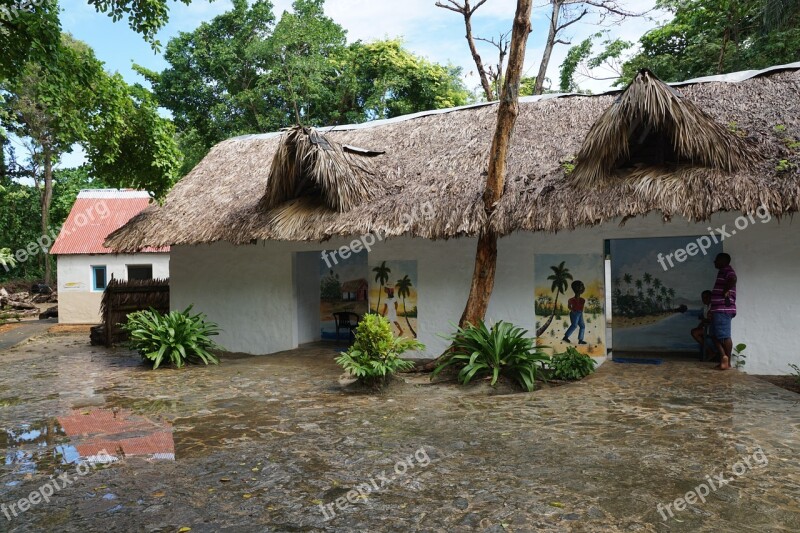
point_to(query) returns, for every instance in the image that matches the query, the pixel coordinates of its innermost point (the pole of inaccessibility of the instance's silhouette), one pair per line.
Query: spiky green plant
(177, 337)
(504, 349)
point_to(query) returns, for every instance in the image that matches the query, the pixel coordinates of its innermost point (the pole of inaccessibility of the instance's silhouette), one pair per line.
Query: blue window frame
(99, 278)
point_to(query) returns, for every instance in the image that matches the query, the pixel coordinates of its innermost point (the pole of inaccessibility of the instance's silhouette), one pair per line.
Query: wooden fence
(124, 297)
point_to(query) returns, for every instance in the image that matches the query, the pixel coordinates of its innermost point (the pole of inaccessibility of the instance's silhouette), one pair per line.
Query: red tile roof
(97, 213)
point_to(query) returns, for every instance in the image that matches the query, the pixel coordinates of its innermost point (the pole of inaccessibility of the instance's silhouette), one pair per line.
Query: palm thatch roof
(307, 163)
(721, 145)
(651, 130)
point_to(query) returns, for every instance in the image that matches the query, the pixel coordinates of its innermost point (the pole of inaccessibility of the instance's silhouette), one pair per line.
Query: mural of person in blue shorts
(576, 305)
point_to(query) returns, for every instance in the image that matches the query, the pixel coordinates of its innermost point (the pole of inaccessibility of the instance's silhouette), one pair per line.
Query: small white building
(85, 266)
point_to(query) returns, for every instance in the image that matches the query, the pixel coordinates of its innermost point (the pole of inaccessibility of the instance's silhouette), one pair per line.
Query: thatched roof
(731, 138)
(308, 164)
(651, 130)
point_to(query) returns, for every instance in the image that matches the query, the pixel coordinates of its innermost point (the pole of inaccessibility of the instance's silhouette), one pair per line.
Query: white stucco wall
(77, 302)
(264, 296)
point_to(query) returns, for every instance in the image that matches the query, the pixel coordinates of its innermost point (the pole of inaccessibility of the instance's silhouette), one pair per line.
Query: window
(98, 278)
(140, 271)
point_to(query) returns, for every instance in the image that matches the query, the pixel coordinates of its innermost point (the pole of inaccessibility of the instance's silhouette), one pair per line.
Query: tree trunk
(546, 325)
(47, 199)
(508, 109)
(405, 312)
(538, 87)
(487, 88)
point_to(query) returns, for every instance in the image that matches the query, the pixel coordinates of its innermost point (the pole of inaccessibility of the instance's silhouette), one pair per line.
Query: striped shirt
(725, 275)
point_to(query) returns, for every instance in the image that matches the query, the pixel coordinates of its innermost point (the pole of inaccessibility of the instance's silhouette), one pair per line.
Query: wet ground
(274, 443)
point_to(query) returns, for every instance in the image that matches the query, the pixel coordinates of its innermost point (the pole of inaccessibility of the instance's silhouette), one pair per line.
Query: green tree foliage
(31, 31)
(243, 72)
(707, 37)
(53, 106)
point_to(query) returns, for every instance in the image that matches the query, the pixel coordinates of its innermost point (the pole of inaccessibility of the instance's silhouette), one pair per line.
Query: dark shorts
(721, 325)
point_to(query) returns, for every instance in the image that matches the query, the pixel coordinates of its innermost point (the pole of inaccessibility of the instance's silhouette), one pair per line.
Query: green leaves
(180, 337)
(375, 354)
(503, 349)
(571, 365)
(708, 37)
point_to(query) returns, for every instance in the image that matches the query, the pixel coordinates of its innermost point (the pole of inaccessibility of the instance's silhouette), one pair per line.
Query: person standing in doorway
(723, 308)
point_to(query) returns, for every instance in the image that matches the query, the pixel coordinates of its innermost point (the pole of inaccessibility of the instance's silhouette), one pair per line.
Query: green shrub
(571, 365)
(375, 354)
(179, 337)
(503, 349)
(739, 357)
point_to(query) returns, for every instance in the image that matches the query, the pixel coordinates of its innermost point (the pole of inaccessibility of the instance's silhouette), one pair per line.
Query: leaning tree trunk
(538, 86)
(47, 200)
(405, 312)
(546, 325)
(508, 109)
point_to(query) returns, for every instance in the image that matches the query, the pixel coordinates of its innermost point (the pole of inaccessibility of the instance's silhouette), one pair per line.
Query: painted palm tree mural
(560, 279)
(557, 305)
(403, 287)
(381, 277)
(396, 301)
(665, 302)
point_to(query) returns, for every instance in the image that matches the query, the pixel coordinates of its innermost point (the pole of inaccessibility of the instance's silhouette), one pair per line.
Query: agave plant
(178, 337)
(504, 349)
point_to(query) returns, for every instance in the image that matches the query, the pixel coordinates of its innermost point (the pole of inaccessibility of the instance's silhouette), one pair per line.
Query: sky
(427, 30)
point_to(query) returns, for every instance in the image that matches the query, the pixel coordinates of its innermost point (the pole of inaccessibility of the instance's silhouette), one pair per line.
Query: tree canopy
(703, 38)
(244, 72)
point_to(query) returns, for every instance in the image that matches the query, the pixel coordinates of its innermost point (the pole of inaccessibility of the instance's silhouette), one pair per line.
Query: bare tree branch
(466, 10)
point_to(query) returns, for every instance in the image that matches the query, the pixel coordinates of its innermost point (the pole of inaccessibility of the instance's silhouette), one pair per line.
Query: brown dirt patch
(70, 328)
(784, 382)
(8, 327)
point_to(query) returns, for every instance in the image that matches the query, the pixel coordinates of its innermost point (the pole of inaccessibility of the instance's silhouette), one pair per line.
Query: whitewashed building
(85, 266)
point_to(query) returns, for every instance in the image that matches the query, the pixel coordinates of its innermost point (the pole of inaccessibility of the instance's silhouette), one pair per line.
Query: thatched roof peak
(308, 165)
(651, 130)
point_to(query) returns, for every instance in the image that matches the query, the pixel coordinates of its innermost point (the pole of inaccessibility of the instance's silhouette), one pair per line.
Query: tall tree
(54, 106)
(46, 108)
(486, 253)
(565, 13)
(467, 10)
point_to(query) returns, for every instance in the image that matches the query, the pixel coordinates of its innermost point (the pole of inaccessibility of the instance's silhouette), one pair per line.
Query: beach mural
(393, 294)
(569, 298)
(343, 288)
(653, 308)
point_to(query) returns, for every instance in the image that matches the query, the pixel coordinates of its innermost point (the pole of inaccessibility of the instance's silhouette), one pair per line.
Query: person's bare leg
(726, 350)
(697, 334)
(399, 329)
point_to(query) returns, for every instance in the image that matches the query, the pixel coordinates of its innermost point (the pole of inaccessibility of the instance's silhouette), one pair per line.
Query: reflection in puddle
(120, 432)
(83, 436)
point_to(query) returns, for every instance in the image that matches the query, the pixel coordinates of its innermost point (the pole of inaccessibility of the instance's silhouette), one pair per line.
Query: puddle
(82, 436)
